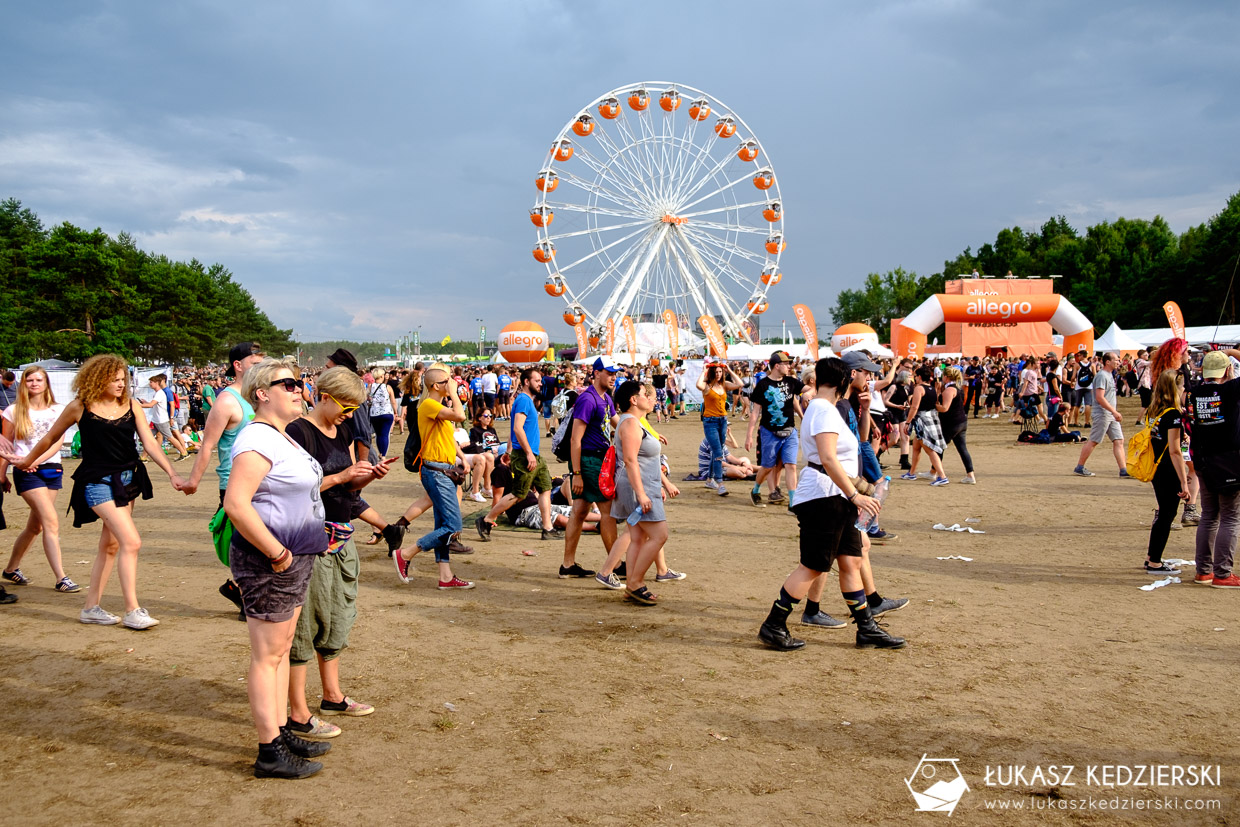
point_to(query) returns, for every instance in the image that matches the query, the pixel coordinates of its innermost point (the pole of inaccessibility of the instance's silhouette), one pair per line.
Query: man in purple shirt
(594, 417)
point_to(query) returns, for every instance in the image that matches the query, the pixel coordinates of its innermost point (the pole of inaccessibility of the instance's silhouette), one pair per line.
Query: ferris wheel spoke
(644, 222)
(726, 246)
(622, 180)
(748, 284)
(689, 152)
(592, 187)
(617, 156)
(565, 206)
(724, 208)
(712, 288)
(639, 148)
(717, 191)
(600, 251)
(731, 228)
(693, 289)
(610, 271)
(703, 155)
(621, 298)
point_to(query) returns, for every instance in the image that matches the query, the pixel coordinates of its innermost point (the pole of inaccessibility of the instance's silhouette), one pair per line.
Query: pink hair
(1169, 356)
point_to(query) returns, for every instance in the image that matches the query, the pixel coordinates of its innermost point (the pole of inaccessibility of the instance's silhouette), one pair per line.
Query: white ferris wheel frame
(658, 172)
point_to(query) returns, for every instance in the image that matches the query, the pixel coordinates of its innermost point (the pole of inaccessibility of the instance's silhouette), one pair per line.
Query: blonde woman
(26, 422)
(1171, 475)
(382, 409)
(109, 479)
(954, 418)
(278, 530)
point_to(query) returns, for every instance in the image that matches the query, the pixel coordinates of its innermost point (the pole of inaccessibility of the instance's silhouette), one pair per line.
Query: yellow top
(649, 429)
(437, 442)
(713, 401)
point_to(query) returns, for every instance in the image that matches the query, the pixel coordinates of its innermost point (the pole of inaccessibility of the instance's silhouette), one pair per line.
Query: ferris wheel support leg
(694, 291)
(712, 287)
(621, 297)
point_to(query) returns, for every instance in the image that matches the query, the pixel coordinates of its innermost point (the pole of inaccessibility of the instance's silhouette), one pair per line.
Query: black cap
(780, 356)
(344, 359)
(236, 353)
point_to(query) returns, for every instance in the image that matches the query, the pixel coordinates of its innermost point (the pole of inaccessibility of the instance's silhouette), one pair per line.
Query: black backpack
(1084, 377)
(413, 443)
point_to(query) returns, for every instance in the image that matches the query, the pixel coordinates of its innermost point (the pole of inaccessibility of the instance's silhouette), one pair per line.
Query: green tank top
(230, 436)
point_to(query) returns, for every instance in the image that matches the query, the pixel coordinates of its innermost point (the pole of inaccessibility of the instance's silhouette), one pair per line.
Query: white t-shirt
(158, 413)
(489, 382)
(821, 417)
(877, 404)
(41, 423)
(287, 499)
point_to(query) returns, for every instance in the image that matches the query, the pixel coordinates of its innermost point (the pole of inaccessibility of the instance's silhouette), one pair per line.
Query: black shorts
(828, 530)
(1146, 393)
(490, 399)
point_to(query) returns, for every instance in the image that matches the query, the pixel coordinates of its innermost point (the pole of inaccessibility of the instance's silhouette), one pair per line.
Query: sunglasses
(440, 382)
(343, 407)
(486, 416)
(290, 384)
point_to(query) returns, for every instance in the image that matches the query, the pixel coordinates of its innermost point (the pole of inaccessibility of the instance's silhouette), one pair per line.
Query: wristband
(280, 557)
(853, 496)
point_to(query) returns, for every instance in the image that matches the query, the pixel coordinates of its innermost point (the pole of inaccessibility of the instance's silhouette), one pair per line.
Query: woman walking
(1171, 475)
(954, 418)
(923, 427)
(382, 409)
(25, 423)
(109, 479)
(277, 514)
(715, 387)
(639, 490)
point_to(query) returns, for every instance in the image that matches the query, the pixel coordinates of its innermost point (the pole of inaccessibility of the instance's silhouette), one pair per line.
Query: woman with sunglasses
(331, 601)
(483, 440)
(382, 409)
(278, 520)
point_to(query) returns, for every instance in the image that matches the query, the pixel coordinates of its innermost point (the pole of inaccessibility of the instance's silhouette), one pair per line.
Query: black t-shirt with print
(1215, 411)
(776, 396)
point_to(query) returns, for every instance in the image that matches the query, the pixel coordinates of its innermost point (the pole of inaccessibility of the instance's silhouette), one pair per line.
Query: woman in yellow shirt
(715, 389)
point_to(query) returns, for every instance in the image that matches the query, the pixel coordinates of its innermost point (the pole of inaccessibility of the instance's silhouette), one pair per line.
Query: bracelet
(280, 558)
(853, 496)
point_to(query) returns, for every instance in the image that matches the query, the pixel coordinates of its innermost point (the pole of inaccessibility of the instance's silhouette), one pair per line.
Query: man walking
(774, 403)
(1106, 420)
(594, 417)
(160, 407)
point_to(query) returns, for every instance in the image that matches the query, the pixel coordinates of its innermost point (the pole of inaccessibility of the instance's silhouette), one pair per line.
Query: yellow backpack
(1141, 461)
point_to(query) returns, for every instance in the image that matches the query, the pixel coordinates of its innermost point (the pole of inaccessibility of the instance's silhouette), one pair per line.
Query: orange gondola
(547, 181)
(563, 149)
(748, 150)
(670, 100)
(771, 276)
(554, 287)
(584, 125)
(774, 212)
(544, 252)
(775, 243)
(594, 340)
(573, 317)
(725, 127)
(639, 100)
(609, 108)
(757, 305)
(541, 216)
(765, 179)
(699, 110)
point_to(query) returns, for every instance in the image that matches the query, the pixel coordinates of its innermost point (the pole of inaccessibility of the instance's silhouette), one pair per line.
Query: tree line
(71, 293)
(1119, 271)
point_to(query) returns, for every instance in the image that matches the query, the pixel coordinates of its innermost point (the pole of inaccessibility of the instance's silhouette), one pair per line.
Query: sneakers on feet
(16, 577)
(823, 620)
(712, 484)
(574, 570)
(941, 481)
(67, 586)
(721, 491)
(1161, 568)
(348, 707)
(911, 477)
(888, 604)
(230, 590)
(777, 496)
(484, 529)
(1203, 579)
(553, 534)
(139, 619)
(881, 536)
(313, 728)
(6, 598)
(455, 546)
(1124, 475)
(670, 574)
(477, 497)
(1192, 515)
(622, 570)
(456, 583)
(1082, 471)
(925, 475)
(756, 498)
(968, 481)
(609, 581)
(96, 614)
(402, 566)
(1228, 582)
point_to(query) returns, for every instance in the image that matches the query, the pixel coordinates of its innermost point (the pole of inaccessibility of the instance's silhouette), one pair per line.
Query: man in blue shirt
(476, 393)
(504, 382)
(529, 469)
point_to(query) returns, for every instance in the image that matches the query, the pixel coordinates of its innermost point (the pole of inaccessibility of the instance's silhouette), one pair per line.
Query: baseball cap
(606, 363)
(1214, 365)
(239, 352)
(856, 360)
(780, 356)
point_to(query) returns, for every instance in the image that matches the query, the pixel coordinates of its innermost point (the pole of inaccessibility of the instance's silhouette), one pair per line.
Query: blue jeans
(383, 431)
(442, 492)
(716, 428)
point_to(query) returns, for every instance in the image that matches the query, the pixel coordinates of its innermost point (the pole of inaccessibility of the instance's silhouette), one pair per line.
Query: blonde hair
(21, 409)
(427, 385)
(260, 376)
(342, 384)
(411, 385)
(953, 375)
(99, 371)
(1166, 393)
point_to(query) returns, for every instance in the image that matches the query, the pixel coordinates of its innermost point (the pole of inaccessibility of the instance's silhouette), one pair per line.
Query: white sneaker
(968, 481)
(97, 615)
(712, 484)
(477, 497)
(486, 492)
(139, 619)
(720, 490)
(925, 475)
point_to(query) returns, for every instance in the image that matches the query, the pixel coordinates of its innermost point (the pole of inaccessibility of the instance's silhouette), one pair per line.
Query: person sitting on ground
(734, 467)
(483, 442)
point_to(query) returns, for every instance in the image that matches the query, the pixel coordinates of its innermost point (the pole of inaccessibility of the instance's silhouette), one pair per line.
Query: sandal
(642, 596)
(375, 537)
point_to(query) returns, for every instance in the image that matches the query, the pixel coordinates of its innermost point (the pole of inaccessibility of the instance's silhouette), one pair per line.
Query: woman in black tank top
(923, 427)
(109, 479)
(954, 418)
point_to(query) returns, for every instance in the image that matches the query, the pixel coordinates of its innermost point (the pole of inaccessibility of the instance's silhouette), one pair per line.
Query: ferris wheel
(656, 197)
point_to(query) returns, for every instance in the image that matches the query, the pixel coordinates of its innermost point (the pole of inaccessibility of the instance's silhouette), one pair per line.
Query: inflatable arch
(908, 335)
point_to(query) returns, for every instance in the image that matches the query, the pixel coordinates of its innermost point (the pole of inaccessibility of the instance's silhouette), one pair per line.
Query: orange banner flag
(805, 318)
(1175, 319)
(714, 335)
(673, 333)
(582, 343)
(609, 337)
(630, 334)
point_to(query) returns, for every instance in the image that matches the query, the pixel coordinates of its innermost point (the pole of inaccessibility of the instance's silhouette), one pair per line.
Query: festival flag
(444, 341)
(630, 334)
(582, 343)
(1175, 319)
(673, 337)
(805, 318)
(714, 335)
(609, 339)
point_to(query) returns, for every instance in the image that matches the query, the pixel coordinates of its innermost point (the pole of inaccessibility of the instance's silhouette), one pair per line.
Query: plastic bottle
(865, 521)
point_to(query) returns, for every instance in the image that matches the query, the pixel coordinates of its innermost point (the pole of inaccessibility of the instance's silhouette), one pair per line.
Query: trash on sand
(956, 527)
(1158, 584)
(1176, 563)
(972, 519)
(449, 706)
(719, 737)
(955, 557)
(530, 553)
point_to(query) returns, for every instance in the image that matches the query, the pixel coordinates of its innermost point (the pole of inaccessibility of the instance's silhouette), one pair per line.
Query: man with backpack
(1106, 419)
(593, 418)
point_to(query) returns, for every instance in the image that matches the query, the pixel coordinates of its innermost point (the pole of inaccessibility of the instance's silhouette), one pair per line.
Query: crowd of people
(297, 448)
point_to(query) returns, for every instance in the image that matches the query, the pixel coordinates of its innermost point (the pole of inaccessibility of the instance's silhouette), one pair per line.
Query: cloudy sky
(367, 167)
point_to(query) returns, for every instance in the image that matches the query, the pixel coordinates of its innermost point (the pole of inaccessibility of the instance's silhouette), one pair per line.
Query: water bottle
(865, 521)
(635, 517)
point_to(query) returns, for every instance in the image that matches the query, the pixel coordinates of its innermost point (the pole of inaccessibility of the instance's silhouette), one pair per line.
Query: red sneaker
(1203, 579)
(1228, 582)
(456, 583)
(402, 566)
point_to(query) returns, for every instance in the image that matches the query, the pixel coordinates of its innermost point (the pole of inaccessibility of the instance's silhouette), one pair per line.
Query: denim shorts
(774, 450)
(48, 475)
(98, 493)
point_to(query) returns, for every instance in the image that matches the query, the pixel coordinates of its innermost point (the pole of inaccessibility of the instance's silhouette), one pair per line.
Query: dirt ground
(572, 705)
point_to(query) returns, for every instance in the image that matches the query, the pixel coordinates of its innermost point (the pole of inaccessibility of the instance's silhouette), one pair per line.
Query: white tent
(874, 350)
(1200, 335)
(1116, 340)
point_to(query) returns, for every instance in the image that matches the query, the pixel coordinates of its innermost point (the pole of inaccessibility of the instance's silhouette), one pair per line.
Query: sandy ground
(575, 706)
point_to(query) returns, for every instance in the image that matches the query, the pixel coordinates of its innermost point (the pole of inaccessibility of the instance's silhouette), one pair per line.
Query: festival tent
(1200, 335)
(873, 349)
(1117, 341)
(51, 364)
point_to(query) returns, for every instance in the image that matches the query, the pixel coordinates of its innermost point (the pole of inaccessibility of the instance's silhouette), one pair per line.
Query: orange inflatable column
(1077, 341)
(906, 342)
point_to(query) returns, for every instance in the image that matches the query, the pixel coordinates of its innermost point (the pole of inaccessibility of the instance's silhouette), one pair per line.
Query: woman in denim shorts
(109, 480)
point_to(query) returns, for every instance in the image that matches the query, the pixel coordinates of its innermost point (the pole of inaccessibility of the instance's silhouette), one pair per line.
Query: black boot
(301, 747)
(871, 636)
(5, 597)
(774, 631)
(394, 533)
(275, 760)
